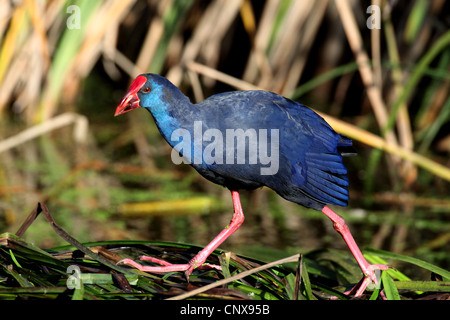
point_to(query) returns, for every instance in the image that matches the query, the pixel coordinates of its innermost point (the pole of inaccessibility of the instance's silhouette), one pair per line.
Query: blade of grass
(78, 293)
(327, 76)
(395, 274)
(13, 241)
(330, 291)
(269, 280)
(281, 12)
(298, 279)
(32, 290)
(224, 259)
(105, 278)
(415, 20)
(172, 19)
(292, 286)
(423, 264)
(375, 294)
(254, 292)
(373, 259)
(307, 283)
(436, 286)
(21, 279)
(389, 287)
(14, 259)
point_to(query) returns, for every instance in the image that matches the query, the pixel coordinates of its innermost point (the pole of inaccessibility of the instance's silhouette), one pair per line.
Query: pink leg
(367, 269)
(199, 260)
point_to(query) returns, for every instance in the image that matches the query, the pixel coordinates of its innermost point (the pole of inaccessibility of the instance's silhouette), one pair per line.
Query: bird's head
(147, 91)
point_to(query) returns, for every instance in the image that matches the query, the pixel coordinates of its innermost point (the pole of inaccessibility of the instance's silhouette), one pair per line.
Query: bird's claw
(372, 273)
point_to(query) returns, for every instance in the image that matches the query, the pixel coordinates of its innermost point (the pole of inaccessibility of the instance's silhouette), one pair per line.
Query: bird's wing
(308, 146)
(318, 168)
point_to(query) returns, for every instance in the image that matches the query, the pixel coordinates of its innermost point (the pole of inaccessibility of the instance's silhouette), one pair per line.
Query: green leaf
(392, 272)
(375, 294)
(78, 293)
(423, 264)
(290, 279)
(307, 283)
(437, 286)
(415, 20)
(13, 257)
(224, 260)
(389, 287)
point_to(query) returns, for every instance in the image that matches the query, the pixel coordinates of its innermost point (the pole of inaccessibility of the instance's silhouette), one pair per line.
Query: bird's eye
(146, 90)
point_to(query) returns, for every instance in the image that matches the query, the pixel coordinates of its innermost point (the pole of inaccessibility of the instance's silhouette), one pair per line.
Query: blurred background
(378, 74)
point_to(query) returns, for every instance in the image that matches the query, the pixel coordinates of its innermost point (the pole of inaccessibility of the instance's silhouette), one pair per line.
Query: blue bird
(245, 140)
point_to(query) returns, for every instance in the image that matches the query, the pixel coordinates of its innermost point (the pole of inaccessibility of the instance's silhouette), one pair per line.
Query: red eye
(146, 89)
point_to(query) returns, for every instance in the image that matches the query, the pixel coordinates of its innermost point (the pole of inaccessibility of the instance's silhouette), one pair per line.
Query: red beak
(131, 101)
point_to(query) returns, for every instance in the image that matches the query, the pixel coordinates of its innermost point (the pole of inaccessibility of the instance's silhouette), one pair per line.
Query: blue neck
(170, 109)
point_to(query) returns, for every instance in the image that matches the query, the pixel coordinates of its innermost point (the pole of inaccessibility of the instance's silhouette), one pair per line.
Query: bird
(245, 140)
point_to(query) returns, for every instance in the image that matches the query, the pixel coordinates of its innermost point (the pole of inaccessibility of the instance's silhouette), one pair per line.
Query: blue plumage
(287, 147)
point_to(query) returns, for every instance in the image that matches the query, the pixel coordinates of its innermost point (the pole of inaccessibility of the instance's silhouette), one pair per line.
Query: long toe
(151, 269)
(168, 267)
(155, 260)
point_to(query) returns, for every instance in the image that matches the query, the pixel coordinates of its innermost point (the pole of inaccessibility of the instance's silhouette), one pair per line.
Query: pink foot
(370, 275)
(198, 262)
(370, 271)
(168, 267)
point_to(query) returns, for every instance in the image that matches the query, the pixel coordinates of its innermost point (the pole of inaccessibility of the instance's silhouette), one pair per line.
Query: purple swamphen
(246, 140)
